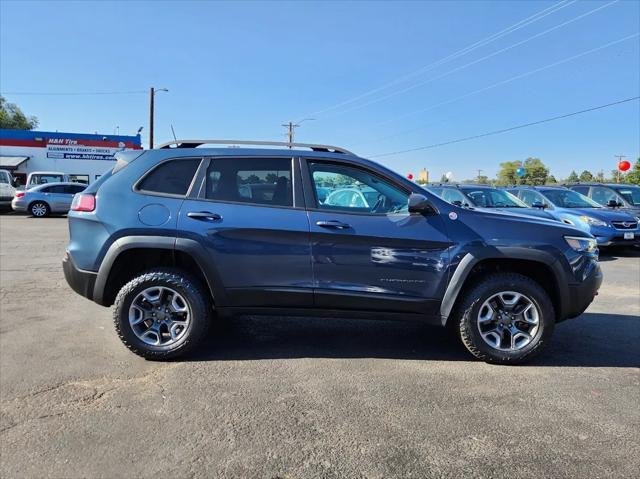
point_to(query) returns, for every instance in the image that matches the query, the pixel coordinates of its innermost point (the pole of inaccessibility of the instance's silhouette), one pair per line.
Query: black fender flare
(470, 260)
(170, 243)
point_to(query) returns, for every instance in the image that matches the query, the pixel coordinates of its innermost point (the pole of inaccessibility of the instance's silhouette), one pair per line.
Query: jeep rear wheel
(505, 319)
(162, 314)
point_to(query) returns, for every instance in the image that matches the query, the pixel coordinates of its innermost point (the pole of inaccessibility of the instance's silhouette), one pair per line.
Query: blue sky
(240, 69)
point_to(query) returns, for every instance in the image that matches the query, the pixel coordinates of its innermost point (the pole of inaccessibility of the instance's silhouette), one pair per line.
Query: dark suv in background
(178, 236)
(612, 195)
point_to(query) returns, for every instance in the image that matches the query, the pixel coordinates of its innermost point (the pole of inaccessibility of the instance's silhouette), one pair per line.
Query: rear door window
(172, 177)
(262, 181)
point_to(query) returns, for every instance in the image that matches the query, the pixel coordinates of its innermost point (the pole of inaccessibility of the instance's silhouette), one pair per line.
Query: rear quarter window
(172, 177)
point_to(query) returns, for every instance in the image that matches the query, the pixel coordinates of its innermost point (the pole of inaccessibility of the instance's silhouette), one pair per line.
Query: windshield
(569, 199)
(41, 179)
(631, 194)
(5, 178)
(493, 198)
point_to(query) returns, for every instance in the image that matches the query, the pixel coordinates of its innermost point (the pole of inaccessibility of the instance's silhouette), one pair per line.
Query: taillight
(83, 202)
(19, 194)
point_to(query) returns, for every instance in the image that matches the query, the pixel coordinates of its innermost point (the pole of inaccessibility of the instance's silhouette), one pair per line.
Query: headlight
(582, 244)
(638, 219)
(593, 221)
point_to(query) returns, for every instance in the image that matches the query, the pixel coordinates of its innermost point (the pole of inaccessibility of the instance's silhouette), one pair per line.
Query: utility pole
(290, 131)
(151, 98)
(291, 126)
(619, 157)
(479, 174)
(152, 95)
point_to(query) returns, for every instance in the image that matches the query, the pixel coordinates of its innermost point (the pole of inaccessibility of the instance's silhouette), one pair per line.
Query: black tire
(39, 209)
(193, 293)
(465, 317)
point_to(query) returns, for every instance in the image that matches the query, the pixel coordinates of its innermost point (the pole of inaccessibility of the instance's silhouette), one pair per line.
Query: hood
(604, 214)
(519, 212)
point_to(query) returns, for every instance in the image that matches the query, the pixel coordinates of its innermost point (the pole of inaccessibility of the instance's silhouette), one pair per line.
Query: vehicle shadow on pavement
(593, 340)
(613, 254)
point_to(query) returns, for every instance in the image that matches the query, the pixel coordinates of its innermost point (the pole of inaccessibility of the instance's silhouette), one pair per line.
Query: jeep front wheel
(161, 314)
(506, 318)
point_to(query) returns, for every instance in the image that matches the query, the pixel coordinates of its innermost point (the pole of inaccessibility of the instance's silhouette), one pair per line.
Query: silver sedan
(42, 200)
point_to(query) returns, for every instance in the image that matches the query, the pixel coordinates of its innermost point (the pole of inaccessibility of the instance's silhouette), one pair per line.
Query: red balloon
(624, 165)
(410, 176)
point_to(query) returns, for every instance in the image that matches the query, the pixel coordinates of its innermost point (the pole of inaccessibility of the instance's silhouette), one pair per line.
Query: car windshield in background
(5, 178)
(490, 198)
(569, 199)
(630, 193)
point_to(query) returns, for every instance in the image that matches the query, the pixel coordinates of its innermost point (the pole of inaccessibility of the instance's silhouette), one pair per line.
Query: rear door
(69, 192)
(371, 254)
(249, 216)
(57, 198)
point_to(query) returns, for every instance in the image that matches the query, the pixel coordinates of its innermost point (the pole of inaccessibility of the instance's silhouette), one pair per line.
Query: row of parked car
(46, 192)
(609, 212)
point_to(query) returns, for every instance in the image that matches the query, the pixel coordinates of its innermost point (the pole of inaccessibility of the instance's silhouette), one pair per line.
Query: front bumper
(82, 282)
(618, 239)
(581, 294)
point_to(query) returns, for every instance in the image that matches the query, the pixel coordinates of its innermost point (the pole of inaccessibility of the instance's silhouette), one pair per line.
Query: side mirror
(613, 204)
(420, 204)
(538, 204)
(457, 203)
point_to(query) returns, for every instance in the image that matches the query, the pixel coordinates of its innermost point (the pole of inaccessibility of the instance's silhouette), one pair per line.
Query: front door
(250, 219)
(368, 252)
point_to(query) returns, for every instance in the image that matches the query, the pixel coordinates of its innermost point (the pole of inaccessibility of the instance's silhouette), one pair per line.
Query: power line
(504, 130)
(466, 65)
(469, 48)
(31, 93)
(509, 80)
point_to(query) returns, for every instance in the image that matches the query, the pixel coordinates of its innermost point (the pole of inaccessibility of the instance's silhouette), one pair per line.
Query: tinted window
(530, 197)
(172, 177)
(57, 189)
(354, 189)
(73, 189)
(490, 198)
(603, 195)
(583, 190)
(631, 194)
(454, 196)
(264, 181)
(569, 199)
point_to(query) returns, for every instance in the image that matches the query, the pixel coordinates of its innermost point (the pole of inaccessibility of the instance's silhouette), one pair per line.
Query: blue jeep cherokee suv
(176, 236)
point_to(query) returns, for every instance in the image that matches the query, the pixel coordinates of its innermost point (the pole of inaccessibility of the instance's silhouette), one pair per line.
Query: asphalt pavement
(304, 398)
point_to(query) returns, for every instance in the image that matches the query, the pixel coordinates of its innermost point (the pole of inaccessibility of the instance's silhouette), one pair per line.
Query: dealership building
(82, 156)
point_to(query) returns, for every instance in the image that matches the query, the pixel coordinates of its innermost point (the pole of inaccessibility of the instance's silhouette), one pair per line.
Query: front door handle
(204, 216)
(339, 225)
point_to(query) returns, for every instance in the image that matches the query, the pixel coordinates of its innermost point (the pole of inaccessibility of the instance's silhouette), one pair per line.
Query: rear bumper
(581, 294)
(82, 282)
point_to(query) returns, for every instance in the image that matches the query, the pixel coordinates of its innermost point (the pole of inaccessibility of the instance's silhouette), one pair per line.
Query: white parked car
(7, 190)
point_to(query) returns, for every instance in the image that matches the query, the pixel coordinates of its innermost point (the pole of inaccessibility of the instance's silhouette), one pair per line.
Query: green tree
(536, 173)
(444, 179)
(507, 173)
(573, 177)
(586, 176)
(599, 177)
(633, 176)
(12, 118)
(551, 179)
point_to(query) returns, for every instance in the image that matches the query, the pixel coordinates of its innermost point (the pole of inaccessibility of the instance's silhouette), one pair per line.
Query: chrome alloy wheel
(159, 316)
(508, 321)
(39, 209)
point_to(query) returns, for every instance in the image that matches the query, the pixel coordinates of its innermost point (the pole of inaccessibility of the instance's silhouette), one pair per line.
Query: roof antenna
(174, 134)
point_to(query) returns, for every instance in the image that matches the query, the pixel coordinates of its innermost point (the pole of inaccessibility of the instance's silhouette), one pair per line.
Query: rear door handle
(204, 216)
(339, 225)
